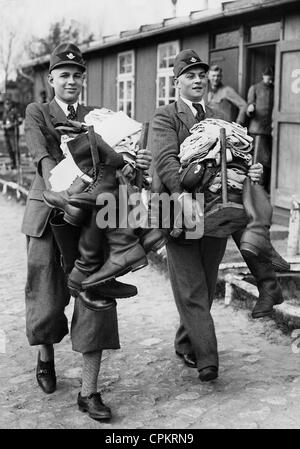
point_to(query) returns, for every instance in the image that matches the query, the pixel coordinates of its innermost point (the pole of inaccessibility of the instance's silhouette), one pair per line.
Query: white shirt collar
(190, 105)
(64, 106)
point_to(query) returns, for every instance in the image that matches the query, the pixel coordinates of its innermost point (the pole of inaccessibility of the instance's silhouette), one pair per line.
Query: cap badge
(193, 59)
(70, 56)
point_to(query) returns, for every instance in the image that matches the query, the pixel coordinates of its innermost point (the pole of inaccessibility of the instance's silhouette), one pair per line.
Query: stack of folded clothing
(202, 148)
(118, 130)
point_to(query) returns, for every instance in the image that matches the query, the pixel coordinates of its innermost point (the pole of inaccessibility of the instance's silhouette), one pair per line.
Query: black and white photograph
(150, 217)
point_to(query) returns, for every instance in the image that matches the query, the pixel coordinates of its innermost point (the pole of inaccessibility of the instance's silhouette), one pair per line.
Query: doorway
(259, 57)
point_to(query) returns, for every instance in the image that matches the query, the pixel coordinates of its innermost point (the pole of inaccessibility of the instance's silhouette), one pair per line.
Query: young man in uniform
(46, 290)
(193, 264)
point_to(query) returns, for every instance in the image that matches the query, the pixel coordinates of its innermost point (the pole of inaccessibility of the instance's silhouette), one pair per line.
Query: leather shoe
(45, 375)
(189, 359)
(265, 303)
(94, 406)
(208, 373)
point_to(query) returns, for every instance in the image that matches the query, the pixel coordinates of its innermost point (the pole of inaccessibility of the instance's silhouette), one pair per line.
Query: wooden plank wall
(94, 82)
(145, 82)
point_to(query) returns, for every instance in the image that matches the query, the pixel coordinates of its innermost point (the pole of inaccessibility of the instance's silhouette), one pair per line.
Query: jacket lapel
(185, 114)
(81, 112)
(57, 115)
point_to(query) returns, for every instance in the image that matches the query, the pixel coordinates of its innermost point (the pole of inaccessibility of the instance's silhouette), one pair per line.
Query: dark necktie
(72, 113)
(200, 112)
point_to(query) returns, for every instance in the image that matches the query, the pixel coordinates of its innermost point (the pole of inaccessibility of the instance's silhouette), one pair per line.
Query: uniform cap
(64, 54)
(187, 59)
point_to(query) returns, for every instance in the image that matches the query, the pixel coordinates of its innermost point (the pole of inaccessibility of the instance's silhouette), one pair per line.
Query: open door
(286, 137)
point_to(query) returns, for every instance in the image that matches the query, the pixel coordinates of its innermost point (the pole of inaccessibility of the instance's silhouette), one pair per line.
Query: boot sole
(262, 314)
(83, 204)
(157, 246)
(134, 267)
(96, 417)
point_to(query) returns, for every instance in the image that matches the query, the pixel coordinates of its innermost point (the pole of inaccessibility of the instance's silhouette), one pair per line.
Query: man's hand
(255, 172)
(143, 159)
(250, 109)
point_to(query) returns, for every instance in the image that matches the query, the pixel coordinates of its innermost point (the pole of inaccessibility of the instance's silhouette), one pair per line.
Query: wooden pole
(223, 165)
(142, 144)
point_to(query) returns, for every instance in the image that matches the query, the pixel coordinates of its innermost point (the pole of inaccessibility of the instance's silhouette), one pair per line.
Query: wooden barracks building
(133, 71)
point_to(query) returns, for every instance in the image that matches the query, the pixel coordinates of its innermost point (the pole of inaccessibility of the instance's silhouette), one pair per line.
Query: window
(125, 83)
(226, 40)
(266, 32)
(165, 89)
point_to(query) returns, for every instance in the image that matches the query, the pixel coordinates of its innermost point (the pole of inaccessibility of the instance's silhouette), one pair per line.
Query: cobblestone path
(145, 384)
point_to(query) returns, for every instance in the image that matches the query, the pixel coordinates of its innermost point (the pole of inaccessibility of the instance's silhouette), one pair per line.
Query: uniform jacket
(42, 140)
(227, 104)
(262, 96)
(170, 126)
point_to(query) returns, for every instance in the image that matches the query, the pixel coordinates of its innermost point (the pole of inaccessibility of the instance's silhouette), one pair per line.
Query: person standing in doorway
(260, 108)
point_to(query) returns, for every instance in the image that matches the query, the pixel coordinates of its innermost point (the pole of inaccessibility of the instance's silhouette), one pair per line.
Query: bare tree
(59, 32)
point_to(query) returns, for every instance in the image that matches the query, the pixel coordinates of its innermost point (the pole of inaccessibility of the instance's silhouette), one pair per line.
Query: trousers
(193, 269)
(47, 295)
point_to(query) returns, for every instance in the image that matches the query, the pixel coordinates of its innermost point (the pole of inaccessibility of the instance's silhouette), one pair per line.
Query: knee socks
(90, 372)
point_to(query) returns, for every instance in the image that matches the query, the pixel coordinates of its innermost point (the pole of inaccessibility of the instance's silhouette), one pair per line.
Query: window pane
(121, 106)
(121, 89)
(230, 39)
(172, 50)
(163, 54)
(161, 103)
(171, 86)
(129, 89)
(128, 63)
(129, 108)
(161, 87)
(267, 32)
(122, 64)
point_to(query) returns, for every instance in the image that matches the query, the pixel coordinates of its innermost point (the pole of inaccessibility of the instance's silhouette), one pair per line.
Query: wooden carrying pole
(142, 144)
(223, 165)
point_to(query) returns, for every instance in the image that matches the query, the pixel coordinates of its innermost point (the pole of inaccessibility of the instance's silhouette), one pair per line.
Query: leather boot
(269, 289)
(126, 254)
(66, 237)
(92, 248)
(60, 200)
(152, 239)
(256, 237)
(90, 149)
(105, 182)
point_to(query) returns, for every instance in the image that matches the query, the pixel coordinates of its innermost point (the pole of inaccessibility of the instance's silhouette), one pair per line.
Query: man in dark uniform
(193, 264)
(11, 120)
(260, 108)
(46, 291)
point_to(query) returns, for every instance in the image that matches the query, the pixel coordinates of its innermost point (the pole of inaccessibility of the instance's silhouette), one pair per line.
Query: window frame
(166, 73)
(124, 78)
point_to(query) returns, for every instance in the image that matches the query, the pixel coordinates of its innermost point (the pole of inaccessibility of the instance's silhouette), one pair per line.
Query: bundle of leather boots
(101, 255)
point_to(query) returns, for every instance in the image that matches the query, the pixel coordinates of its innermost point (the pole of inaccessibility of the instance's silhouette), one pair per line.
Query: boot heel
(141, 263)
